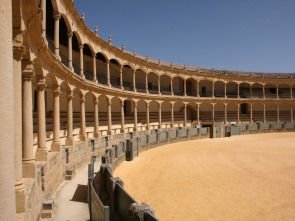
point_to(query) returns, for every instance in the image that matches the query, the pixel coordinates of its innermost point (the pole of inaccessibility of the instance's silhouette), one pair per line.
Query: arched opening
(103, 114)
(206, 113)
(89, 114)
(244, 90)
(165, 84)
(257, 90)
(116, 115)
(127, 77)
(219, 112)
(205, 88)
(76, 53)
(115, 73)
(219, 87)
(87, 62)
(284, 91)
(232, 113)
(270, 91)
(50, 25)
(244, 112)
(191, 87)
(271, 112)
(178, 114)
(153, 83)
(257, 112)
(166, 114)
(101, 68)
(63, 41)
(141, 115)
(178, 86)
(232, 90)
(140, 81)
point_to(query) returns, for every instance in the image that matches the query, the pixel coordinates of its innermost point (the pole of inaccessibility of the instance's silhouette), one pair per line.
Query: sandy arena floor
(250, 177)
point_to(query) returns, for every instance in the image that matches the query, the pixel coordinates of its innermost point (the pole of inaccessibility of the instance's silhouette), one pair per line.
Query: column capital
(70, 34)
(109, 102)
(41, 84)
(121, 68)
(81, 46)
(82, 98)
(56, 91)
(70, 95)
(93, 54)
(56, 15)
(225, 104)
(108, 61)
(95, 100)
(135, 104)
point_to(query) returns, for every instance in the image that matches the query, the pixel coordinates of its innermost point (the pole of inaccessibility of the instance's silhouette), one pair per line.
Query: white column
(198, 113)
(251, 113)
(198, 89)
(147, 116)
(238, 90)
(43, 8)
(121, 77)
(172, 115)
(7, 190)
(70, 52)
(70, 139)
(238, 114)
(291, 113)
(135, 116)
(172, 93)
(291, 92)
(184, 87)
(277, 91)
(81, 61)
(41, 153)
(56, 16)
(134, 85)
(213, 89)
(56, 145)
(82, 118)
(213, 117)
(159, 85)
(185, 117)
(225, 95)
(264, 114)
(108, 74)
(160, 115)
(225, 113)
(96, 122)
(94, 67)
(278, 112)
(263, 88)
(109, 102)
(122, 117)
(27, 123)
(250, 90)
(146, 84)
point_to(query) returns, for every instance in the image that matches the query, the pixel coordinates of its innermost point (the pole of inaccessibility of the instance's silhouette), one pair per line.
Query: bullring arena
(80, 100)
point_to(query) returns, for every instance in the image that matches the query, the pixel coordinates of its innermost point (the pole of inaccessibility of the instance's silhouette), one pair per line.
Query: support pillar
(213, 89)
(122, 117)
(238, 90)
(56, 16)
(185, 115)
(291, 92)
(213, 114)
(250, 90)
(82, 134)
(264, 114)
(159, 85)
(160, 116)
(108, 74)
(56, 145)
(225, 114)
(28, 164)
(43, 8)
(238, 114)
(198, 113)
(96, 122)
(291, 113)
(146, 84)
(225, 95)
(198, 89)
(94, 67)
(172, 93)
(133, 84)
(81, 61)
(135, 116)
(109, 116)
(70, 52)
(172, 115)
(251, 113)
(263, 88)
(121, 77)
(70, 140)
(278, 112)
(41, 152)
(277, 91)
(184, 87)
(147, 116)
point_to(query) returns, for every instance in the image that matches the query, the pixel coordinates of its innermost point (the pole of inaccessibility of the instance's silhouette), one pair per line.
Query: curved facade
(69, 85)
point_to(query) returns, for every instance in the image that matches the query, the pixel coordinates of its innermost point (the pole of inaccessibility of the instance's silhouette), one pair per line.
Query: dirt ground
(249, 177)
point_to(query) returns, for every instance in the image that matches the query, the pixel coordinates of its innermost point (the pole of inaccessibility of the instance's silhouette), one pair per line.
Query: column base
(121, 87)
(41, 154)
(69, 141)
(20, 197)
(96, 135)
(109, 132)
(122, 131)
(29, 169)
(56, 146)
(82, 137)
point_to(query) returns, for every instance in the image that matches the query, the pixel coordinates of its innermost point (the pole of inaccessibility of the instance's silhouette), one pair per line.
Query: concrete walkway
(71, 197)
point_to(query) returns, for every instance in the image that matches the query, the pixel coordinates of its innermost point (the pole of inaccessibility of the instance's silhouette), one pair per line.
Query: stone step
(46, 214)
(47, 209)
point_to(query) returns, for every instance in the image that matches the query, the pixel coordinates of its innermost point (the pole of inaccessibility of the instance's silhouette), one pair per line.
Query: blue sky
(246, 35)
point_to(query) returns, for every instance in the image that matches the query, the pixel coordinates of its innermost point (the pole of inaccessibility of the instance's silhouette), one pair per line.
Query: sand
(249, 177)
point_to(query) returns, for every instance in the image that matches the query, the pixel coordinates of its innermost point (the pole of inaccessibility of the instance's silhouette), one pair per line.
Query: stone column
(198, 113)
(56, 16)
(82, 118)
(213, 89)
(263, 88)
(291, 92)
(264, 114)
(172, 93)
(108, 74)
(122, 117)
(160, 115)
(172, 115)
(147, 116)
(291, 113)
(184, 87)
(133, 84)
(250, 90)
(225, 96)
(94, 67)
(225, 114)
(121, 77)
(198, 89)
(81, 61)
(109, 116)
(70, 139)
(135, 116)
(56, 145)
(277, 91)
(213, 109)
(7, 177)
(185, 117)
(70, 52)
(96, 122)
(278, 112)
(251, 113)
(238, 90)
(238, 114)
(29, 170)
(43, 8)
(159, 85)
(41, 152)
(146, 84)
